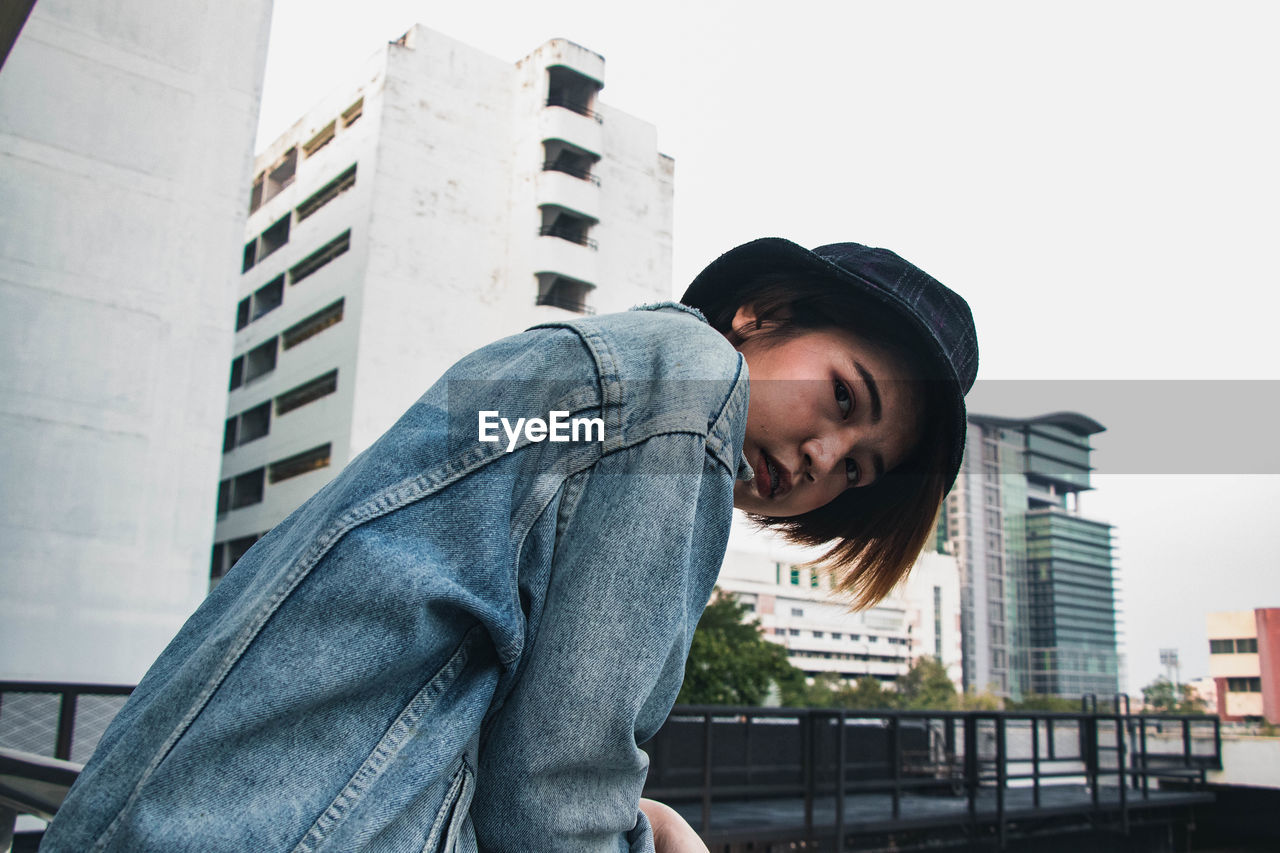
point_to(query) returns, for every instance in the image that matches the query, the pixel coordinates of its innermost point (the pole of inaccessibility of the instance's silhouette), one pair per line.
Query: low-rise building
(797, 608)
(1244, 662)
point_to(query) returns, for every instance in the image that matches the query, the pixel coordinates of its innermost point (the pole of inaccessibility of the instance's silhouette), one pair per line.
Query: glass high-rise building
(1037, 580)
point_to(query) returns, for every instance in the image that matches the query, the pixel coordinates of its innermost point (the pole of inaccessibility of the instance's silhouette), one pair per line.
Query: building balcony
(577, 197)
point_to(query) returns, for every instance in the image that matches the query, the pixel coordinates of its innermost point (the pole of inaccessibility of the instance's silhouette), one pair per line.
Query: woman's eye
(843, 399)
(850, 472)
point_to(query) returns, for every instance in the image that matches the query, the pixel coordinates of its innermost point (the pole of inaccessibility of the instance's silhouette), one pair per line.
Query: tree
(1165, 697)
(926, 686)
(730, 661)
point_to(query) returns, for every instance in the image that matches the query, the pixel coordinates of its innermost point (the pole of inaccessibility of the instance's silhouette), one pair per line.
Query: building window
(255, 194)
(301, 463)
(320, 140)
(227, 554)
(244, 490)
(242, 314)
(317, 259)
(260, 360)
(229, 434)
(313, 325)
(281, 174)
(815, 578)
(267, 298)
(1247, 646)
(1222, 647)
(250, 255)
(307, 392)
(560, 291)
(237, 372)
(818, 635)
(254, 423)
(795, 576)
(274, 237)
(327, 193)
(1244, 685)
(352, 113)
(567, 225)
(836, 635)
(571, 90)
(797, 611)
(794, 632)
(560, 156)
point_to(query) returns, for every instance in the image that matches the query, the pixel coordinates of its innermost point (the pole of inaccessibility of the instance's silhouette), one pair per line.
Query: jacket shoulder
(665, 341)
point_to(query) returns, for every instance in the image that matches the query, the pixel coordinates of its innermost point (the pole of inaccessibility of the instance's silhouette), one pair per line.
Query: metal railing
(560, 301)
(572, 236)
(707, 754)
(578, 172)
(556, 99)
(57, 720)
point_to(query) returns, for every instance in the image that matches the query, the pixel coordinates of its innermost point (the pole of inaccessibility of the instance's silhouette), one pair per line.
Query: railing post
(1002, 777)
(706, 773)
(1146, 763)
(971, 767)
(1089, 726)
(807, 742)
(1035, 761)
(1186, 742)
(66, 724)
(1122, 771)
(895, 755)
(840, 748)
(1217, 743)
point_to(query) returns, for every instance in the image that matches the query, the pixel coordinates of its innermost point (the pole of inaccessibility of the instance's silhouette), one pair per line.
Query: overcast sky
(1100, 180)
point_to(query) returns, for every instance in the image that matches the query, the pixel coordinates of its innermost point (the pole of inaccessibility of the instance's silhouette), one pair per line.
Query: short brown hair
(877, 532)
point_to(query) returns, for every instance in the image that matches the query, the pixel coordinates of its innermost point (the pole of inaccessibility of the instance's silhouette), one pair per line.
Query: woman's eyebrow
(871, 388)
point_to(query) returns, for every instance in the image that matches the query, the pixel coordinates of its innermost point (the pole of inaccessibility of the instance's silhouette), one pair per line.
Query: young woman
(459, 642)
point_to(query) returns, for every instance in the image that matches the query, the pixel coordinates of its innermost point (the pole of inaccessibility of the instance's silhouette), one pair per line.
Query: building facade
(444, 200)
(797, 609)
(1037, 578)
(1244, 663)
(126, 142)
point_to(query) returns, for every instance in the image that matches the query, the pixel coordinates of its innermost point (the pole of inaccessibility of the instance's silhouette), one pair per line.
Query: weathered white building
(445, 199)
(126, 136)
(797, 609)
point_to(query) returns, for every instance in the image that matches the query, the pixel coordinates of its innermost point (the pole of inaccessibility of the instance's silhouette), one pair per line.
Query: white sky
(1100, 180)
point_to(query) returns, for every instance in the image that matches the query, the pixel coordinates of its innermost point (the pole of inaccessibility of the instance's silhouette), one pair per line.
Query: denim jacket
(452, 645)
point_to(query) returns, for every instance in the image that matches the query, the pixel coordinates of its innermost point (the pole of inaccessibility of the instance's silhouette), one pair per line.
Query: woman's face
(828, 412)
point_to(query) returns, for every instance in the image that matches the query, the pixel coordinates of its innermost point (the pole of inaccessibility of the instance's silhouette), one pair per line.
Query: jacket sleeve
(641, 535)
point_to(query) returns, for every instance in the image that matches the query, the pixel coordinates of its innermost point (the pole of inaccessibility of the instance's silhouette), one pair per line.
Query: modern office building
(443, 200)
(797, 609)
(1244, 663)
(126, 142)
(1038, 593)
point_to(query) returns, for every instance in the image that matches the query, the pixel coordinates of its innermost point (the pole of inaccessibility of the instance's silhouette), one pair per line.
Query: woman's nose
(820, 455)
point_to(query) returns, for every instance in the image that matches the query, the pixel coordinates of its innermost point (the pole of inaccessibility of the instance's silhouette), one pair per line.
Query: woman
(459, 642)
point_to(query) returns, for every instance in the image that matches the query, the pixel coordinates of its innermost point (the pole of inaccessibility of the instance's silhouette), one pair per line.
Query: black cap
(941, 319)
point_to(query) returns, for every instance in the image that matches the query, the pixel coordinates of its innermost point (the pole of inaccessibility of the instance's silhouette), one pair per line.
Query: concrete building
(796, 609)
(1038, 592)
(443, 200)
(1244, 663)
(126, 138)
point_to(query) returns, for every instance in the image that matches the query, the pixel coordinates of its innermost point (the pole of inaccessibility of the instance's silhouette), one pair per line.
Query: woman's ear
(745, 323)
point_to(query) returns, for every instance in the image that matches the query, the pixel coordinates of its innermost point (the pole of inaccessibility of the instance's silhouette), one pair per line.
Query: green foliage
(926, 687)
(982, 700)
(730, 661)
(1165, 697)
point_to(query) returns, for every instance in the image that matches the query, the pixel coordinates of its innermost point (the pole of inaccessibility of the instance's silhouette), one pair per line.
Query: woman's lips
(764, 483)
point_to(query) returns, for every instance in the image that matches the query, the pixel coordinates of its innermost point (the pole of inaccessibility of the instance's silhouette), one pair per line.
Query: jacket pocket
(452, 832)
